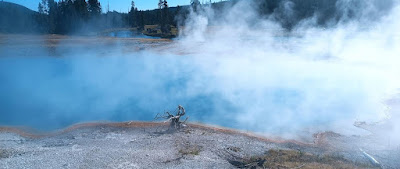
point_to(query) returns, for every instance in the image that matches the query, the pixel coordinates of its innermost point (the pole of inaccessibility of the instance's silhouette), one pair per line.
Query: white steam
(237, 71)
(312, 77)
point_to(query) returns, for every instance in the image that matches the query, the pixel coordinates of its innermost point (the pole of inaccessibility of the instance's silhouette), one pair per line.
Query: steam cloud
(245, 72)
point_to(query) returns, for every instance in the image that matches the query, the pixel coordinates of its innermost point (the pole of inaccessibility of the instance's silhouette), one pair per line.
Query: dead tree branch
(174, 120)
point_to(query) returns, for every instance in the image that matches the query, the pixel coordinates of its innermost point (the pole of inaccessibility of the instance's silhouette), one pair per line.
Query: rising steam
(240, 70)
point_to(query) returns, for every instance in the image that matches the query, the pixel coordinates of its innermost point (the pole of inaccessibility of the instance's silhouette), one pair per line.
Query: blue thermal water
(50, 93)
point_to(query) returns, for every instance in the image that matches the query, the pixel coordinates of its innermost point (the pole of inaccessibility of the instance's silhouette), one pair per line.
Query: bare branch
(174, 120)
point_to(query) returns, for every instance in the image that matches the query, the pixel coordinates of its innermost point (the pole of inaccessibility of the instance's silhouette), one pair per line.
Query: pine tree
(195, 4)
(133, 15)
(43, 7)
(164, 15)
(81, 8)
(94, 8)
(49, 9)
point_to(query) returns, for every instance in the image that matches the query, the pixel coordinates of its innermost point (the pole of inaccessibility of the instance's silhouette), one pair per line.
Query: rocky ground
(151, 145)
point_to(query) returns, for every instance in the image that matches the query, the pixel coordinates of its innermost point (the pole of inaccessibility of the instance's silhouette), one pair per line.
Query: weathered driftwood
(174, 120)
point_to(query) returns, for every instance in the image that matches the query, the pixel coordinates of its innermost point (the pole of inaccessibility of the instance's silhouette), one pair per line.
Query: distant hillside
(15, 18)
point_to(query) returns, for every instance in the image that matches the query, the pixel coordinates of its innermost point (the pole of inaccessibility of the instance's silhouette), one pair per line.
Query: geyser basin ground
(147, 145)
(50, 82)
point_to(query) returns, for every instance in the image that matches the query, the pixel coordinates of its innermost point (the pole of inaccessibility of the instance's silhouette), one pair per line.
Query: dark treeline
(76, 16)
(86, 16)
(81, 16)
(325, 12)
